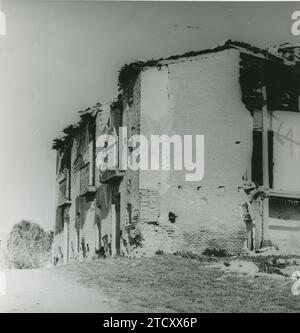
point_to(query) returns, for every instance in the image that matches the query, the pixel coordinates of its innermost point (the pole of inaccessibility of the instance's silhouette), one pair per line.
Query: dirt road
(48, 290)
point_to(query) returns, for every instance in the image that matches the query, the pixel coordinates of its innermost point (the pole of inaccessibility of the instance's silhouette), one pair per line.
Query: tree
(29, 245)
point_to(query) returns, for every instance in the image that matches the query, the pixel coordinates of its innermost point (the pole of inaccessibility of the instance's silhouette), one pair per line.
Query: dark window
(257, 172)
(257, 162)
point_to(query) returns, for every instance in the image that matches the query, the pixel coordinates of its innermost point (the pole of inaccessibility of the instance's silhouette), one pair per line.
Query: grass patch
(168, 283)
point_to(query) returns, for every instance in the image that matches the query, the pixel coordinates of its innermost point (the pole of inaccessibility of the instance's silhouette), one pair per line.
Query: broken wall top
(70, 131)
(250, 82)
(129, 72)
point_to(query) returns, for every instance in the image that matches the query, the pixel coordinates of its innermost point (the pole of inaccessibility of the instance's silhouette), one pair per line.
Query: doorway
(115, 219)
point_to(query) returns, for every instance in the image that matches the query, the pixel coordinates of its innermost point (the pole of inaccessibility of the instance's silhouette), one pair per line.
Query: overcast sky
(62, 56)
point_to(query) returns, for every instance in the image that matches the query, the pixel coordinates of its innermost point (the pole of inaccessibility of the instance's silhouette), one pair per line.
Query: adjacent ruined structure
(245, 101)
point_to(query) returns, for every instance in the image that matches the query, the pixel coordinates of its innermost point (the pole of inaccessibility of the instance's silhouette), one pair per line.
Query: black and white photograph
(150, 159)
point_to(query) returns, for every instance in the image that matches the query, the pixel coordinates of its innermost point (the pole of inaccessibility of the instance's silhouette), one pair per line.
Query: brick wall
(129, 188)
(199, 96)
(149, 205)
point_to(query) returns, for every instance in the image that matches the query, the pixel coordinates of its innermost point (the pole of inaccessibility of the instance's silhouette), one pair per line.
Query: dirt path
(48, 290)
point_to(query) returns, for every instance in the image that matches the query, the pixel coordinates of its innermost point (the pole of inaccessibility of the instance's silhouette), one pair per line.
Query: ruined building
(245, 101)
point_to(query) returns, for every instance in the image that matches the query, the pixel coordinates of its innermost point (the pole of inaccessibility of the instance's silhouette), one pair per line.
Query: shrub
(214, 252)
(29, 246)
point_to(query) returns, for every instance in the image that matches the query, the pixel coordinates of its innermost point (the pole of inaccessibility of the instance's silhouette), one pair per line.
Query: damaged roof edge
(86, 116)
(129, 72)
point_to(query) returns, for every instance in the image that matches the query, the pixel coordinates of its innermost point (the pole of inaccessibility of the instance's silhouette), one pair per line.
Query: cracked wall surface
(198, 97)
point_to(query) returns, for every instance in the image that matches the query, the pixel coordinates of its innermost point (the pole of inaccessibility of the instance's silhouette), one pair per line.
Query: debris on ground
(259, 263)
(293, 266)
(265, 252)
(199, 257)
(242, 267)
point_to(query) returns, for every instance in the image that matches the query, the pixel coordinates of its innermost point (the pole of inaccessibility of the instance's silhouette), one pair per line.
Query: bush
(29, 246)
(214, 252)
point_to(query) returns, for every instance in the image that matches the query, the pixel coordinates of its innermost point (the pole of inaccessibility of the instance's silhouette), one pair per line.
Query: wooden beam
(258, 225)
(261, 208)
(265, 138)
(265, 144)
